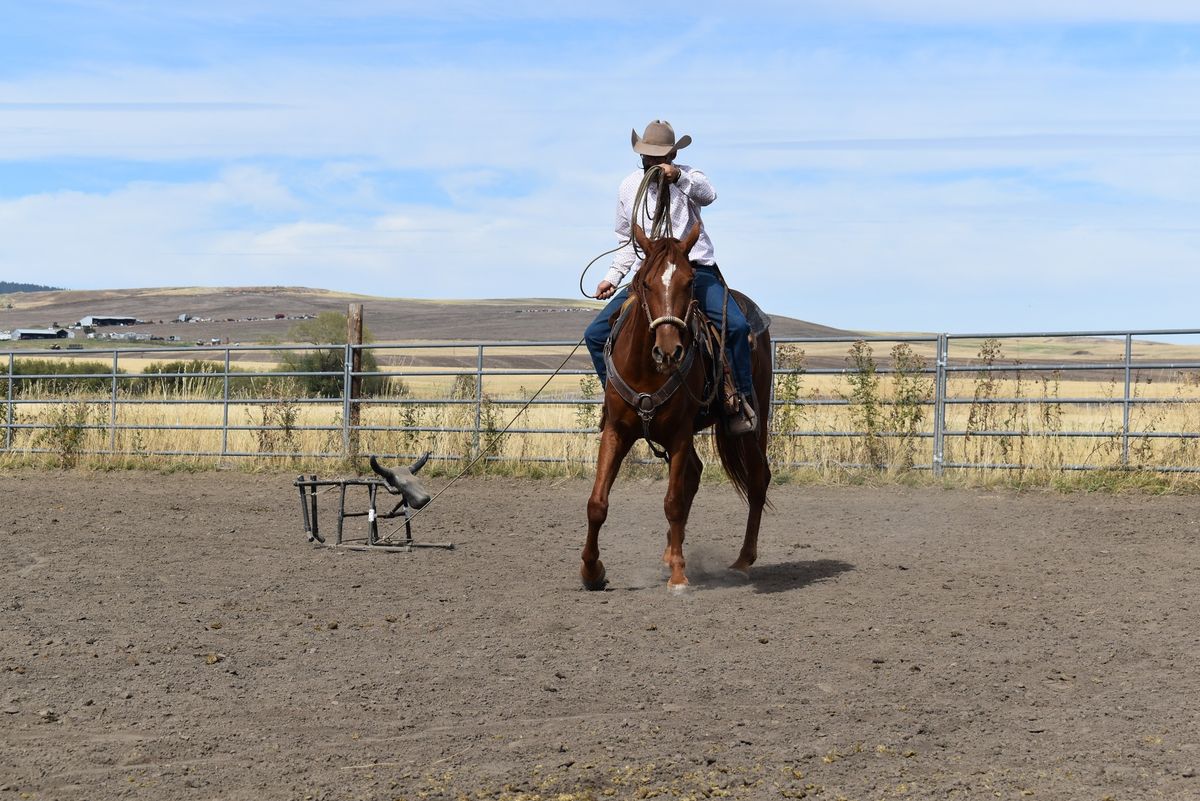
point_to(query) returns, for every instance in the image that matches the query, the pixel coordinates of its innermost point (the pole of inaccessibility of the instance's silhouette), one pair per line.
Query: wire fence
(1060, 401)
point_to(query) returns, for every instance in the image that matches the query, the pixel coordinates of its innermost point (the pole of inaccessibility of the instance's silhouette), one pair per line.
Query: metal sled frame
(308, 511)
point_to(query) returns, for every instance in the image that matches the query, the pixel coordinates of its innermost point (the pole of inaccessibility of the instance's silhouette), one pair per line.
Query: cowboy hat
(658, 140)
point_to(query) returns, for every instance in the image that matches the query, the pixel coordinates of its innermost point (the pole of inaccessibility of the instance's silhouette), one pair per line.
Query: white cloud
(936, 186)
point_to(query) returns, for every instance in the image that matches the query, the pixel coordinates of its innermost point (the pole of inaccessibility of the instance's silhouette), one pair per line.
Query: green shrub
(329, 328)
(331, 360)
(62, 381)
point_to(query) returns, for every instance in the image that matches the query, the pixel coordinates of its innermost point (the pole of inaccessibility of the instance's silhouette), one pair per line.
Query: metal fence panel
(465, 367)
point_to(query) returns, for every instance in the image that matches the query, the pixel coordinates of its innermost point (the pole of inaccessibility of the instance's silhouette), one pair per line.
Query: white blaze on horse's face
(668, 329)
(666, 282)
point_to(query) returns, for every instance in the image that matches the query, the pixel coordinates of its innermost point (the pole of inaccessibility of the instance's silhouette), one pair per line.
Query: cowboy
(689, 190)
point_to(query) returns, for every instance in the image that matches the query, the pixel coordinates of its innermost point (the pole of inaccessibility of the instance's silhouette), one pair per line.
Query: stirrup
(744, 421)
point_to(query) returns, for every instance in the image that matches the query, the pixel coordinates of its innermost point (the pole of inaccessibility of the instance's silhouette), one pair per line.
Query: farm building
(97, 321)
(131, 336)
(39, 333)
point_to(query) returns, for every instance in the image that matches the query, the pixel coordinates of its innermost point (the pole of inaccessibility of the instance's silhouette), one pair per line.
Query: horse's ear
(639, 236)
(689, 241)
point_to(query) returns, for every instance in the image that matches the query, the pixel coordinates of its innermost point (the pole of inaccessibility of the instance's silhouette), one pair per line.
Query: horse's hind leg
(613, 448)
(686, 469)
(758, 469)
(756, 498)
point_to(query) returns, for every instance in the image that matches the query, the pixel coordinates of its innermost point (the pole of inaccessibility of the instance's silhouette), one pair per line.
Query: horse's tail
(732, 450)
(743, 453)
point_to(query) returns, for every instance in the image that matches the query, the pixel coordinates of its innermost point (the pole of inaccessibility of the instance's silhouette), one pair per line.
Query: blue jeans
(710, 292)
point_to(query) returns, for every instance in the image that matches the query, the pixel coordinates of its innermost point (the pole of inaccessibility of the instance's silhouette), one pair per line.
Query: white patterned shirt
(692, 186)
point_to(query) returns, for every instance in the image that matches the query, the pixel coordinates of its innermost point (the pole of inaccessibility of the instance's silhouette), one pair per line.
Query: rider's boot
(740, 416)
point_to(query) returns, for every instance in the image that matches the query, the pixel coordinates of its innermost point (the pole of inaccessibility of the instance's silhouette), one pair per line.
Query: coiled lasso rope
(660, 217)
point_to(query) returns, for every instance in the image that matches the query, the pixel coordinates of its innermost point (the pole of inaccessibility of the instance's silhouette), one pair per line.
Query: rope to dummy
(495, 439)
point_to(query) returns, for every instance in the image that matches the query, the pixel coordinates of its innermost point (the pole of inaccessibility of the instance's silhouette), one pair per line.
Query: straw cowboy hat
(658, 140)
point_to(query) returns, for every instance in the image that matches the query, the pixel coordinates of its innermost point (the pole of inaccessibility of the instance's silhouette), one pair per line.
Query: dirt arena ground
(176, 637)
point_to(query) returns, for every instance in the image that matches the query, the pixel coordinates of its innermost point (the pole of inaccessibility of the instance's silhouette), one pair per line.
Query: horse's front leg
(686, 468)
(613, 447)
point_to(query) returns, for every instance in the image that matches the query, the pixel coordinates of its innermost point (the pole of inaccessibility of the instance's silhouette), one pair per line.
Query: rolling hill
(258, 314)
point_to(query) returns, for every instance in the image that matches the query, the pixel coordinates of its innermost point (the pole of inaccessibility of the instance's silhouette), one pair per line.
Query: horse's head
(664, 286)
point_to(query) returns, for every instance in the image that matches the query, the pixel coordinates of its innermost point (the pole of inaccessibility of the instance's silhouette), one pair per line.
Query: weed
(864, 400)
(982, 414)
(1051, 413)
(278, 415)
(1141, 449)
(789, 415)
(1016, 421)
(464, 437)
(911, 392)
(66, 431)
(587, 415)
(12, 418)
(489, 430)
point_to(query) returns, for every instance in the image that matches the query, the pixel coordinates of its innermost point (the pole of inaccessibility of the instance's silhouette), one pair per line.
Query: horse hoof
(677, 589)
(595, 584)
(742, 570)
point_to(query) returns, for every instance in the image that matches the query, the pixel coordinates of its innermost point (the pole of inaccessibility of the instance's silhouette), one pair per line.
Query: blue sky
(925, 165)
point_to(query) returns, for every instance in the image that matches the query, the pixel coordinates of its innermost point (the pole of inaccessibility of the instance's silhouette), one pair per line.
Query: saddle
(721, 374)
(759, 320)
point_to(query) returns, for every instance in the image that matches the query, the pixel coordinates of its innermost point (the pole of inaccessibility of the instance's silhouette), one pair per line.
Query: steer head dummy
(403, 481)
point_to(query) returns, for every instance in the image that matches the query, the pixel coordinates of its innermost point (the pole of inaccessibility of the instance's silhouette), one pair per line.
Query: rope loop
(660, 217)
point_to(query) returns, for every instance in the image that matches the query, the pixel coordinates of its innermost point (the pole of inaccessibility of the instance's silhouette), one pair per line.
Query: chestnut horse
(655, 389)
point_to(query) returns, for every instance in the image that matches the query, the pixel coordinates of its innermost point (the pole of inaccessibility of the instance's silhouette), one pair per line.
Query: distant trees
(327, 328)
(13, 286)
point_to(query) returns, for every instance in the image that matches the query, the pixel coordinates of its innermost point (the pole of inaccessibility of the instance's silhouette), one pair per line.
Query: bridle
(647, 404)
(669, 319)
